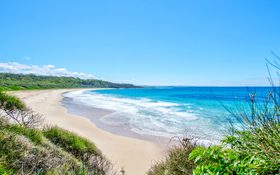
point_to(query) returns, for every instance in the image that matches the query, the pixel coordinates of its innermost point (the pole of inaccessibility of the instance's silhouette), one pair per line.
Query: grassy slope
(10, 81)
(51, 151)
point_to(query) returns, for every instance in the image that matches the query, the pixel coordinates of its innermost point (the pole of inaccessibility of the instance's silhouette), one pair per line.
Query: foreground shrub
(220, 160)
(254, 147)
(262, 146)
(176, 162)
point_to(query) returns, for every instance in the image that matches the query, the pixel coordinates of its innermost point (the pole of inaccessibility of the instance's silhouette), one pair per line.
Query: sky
(144, 42)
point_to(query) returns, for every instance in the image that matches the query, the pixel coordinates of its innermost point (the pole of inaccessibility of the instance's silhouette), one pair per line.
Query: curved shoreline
(95, 115)
(134, 155)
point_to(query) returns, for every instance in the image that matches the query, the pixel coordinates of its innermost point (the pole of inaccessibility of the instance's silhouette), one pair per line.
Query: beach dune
(135, 156)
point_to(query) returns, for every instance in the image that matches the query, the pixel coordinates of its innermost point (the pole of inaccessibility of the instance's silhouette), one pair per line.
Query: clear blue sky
(145, 42)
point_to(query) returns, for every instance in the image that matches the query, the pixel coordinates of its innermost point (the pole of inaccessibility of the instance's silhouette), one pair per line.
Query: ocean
(196, 112)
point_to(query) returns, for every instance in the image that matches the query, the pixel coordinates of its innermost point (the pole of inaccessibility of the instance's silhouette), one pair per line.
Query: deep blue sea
(197, 112)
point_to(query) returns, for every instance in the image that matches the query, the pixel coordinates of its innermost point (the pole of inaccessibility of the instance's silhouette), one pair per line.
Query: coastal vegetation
(10, 81)
(176, 161)
(252, 148)
(28, 147)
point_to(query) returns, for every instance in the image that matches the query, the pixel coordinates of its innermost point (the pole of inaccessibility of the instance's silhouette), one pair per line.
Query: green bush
(220, 160)
(261, 145)
(176, 162)
(254, 148)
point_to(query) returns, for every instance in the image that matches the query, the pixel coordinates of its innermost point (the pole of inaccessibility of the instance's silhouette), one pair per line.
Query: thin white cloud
(26, 58)
(51, 70)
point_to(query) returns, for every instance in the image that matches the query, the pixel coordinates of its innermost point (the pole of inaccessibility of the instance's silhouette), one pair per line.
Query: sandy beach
(134, 155)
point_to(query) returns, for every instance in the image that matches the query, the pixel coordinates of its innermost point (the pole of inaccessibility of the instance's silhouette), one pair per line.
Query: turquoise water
(196, 112)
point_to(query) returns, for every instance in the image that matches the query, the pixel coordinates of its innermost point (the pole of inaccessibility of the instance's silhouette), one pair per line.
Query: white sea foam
(146, 116)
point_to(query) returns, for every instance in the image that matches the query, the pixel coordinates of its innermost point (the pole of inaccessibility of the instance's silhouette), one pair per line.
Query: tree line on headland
(9, 81)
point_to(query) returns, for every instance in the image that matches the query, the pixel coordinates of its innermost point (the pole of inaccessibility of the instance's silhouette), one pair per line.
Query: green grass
(71, 142)
(53, 151)
(8, 102)
(36, 136)
(33, 134)
(19, 154)
(4, 171)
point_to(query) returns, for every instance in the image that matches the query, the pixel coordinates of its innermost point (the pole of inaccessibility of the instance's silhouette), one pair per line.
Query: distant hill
(9, 81)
